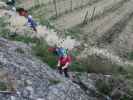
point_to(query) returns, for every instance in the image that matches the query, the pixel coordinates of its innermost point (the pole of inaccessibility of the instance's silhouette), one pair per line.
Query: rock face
(35, 80)
(106, 87)
(3, 5)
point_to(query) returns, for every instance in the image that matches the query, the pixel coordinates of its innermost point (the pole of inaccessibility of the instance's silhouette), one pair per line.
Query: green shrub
(19, 50)
(24, 39)
(126, 98)
(54, 82)
(78, 66)
(130, 55)
(103, 87)
(3, 29)
(74, 33)
(46, 23)
(41, 51)
(3, 86)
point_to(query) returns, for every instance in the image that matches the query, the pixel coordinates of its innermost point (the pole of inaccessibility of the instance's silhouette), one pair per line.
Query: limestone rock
(35, 79)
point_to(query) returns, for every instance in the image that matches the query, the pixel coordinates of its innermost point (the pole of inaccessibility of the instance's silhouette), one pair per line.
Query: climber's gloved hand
(58, 65)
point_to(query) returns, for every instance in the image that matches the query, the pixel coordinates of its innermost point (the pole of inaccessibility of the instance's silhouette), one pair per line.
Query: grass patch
(54, 82)
(33, 8)
(3, 86)
(103, 87)
(74, 33)
(126, 98)
(107, 86)
(46, 23)
(3, 27)
(41, 51)
(78, 66)
(130, 55)
(19, 50)
(129, 70)
(25, 39)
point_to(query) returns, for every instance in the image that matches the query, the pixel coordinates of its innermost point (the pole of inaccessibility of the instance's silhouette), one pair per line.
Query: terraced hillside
(105, 37)
(62, 7)
(108, 26)
(104, 29)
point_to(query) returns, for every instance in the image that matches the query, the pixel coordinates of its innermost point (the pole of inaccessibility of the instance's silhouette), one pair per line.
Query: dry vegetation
(96, 23)
(108, 26)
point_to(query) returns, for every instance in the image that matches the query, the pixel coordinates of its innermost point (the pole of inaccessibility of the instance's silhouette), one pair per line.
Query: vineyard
(104, 28)
(102, 23)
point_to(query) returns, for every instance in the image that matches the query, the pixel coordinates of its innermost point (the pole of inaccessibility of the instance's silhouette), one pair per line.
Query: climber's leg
(60, 69)
(66, 72)
(34, 28)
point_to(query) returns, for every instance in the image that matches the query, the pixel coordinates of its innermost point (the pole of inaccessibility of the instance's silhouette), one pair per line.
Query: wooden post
(71, 5)
(82, 2)
(85, 18)
(34, 4)
(37, 2)
(40, 2)
(31, 2)
(55, 6)
(92, 16)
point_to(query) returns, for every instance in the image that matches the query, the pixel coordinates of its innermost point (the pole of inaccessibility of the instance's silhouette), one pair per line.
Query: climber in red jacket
(63, 63)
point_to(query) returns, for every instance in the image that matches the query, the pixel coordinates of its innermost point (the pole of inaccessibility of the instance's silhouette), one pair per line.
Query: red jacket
(64, 60)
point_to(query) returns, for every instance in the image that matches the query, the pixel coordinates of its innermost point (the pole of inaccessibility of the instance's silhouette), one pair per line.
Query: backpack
(61, 52)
